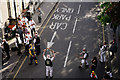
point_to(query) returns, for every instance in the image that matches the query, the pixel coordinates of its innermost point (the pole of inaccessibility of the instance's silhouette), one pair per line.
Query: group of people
(102, 59)
(26, 35)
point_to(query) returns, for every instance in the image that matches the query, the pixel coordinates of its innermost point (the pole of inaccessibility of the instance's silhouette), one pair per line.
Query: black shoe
(51, 77)
(8, 58)
(86, 65)
(36, 63)
(30, 63)
(46, 77)
(80, 67)
(18, 54)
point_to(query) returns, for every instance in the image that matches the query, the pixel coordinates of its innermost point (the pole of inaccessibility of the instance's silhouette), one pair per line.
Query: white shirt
(29, 36)
(24, 20)
(26, 40)
(31, 24)
(49, 58)
(20, 22)
(103, 48)
(85, 55)
(19, 41)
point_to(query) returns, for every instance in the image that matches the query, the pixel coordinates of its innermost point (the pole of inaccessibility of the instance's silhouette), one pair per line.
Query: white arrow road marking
(49, 44)
(75, 25)
(79, 9)
(67, 53)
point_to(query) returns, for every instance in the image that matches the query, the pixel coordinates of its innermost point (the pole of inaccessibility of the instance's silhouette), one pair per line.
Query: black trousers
(7, 53)
(21, 37)
(32, 30)
(39, 19)
(19, 49)
(31, 59)
(38, 50)
(27, 49)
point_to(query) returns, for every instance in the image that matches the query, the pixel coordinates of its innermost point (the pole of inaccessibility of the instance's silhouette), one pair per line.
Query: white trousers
(49, 69)
(102, 57)
(83, 61)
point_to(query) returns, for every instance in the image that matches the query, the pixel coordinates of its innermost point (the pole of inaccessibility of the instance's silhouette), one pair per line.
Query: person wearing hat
(103, 49)
(6, 48)
(18, 44)
(24, 20)
(32, 26)
(84, 57)
(32, 54)
(36, 40)
(26, 43)
(48, 63)
(94, 64)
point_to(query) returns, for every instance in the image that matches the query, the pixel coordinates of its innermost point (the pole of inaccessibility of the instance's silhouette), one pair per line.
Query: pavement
(115, 63)
(10, 64)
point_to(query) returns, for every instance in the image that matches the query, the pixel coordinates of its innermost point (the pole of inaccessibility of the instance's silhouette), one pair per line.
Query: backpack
(48, 62)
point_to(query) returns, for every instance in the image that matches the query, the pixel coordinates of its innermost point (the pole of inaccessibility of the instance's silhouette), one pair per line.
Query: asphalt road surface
(72, 27)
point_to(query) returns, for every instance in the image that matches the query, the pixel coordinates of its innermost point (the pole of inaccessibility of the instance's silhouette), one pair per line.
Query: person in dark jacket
(20, 31)
(6, 48)
(36, 40)
(94, 64)
(113, 48)
(39, 15)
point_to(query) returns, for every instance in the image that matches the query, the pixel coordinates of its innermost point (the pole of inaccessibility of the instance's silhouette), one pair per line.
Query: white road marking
(75, 25)
(49, 44)
(53, 36)
(79, 9)
(67, 53)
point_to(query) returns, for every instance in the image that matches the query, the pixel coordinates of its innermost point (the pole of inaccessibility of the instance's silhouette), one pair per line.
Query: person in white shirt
(32, 26)
(84, 58)
(18, 44)
(48, 63)
(29, 36)
(24, 20)
(26, 43)
(103, 52)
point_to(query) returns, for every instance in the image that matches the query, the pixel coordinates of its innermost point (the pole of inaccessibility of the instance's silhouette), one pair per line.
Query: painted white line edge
(68, 51)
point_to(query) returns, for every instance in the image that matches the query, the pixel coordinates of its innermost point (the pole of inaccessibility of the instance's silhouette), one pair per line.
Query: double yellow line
(40, 35)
